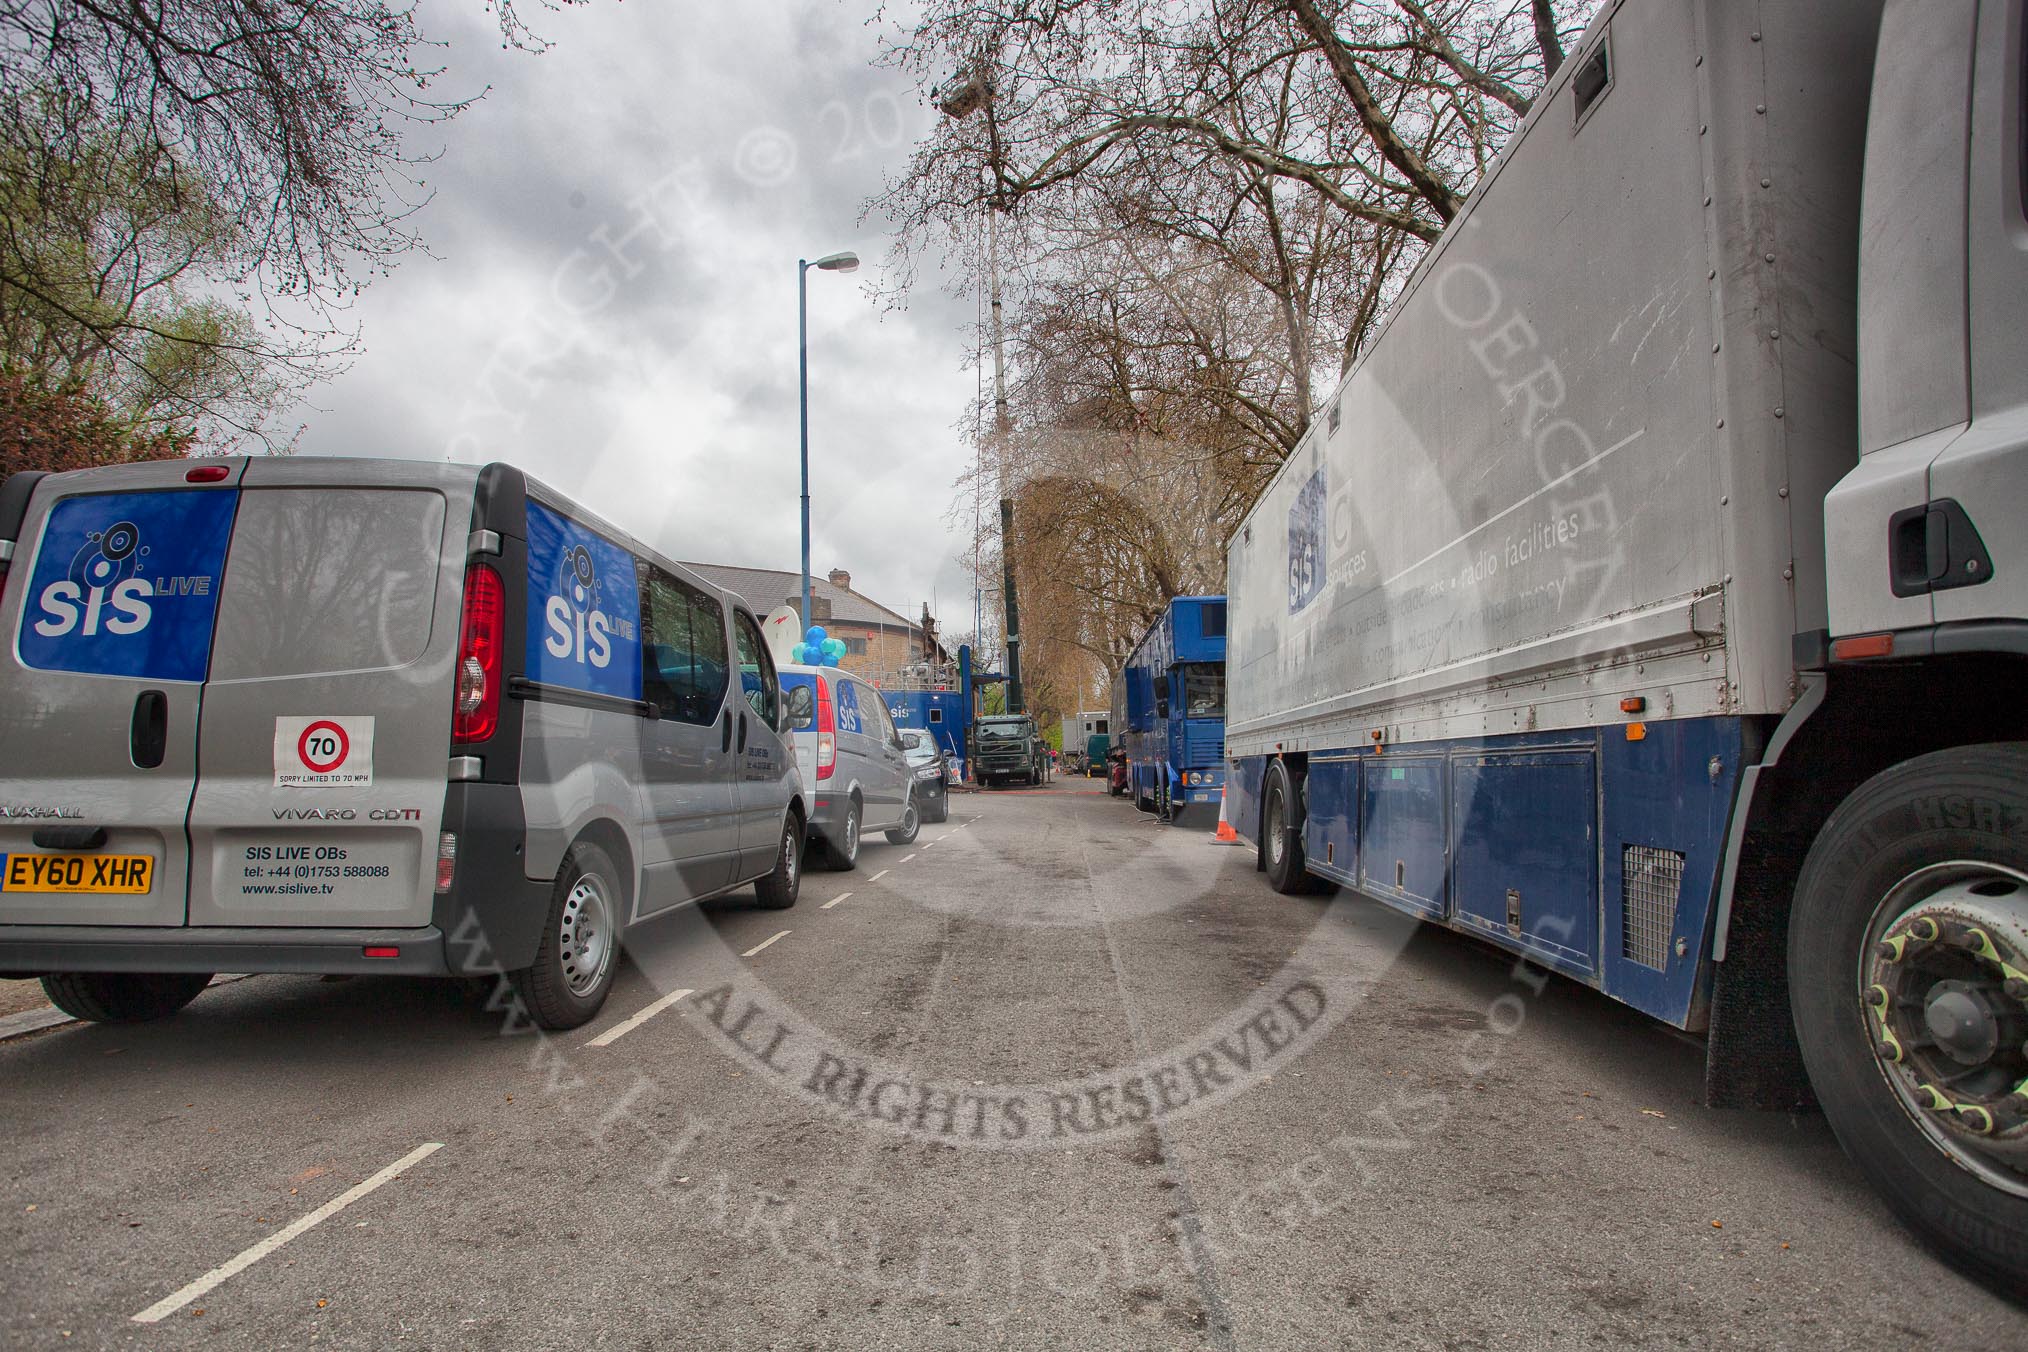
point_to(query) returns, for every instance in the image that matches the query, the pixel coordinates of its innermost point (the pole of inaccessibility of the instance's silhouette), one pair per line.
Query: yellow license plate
(120, 874)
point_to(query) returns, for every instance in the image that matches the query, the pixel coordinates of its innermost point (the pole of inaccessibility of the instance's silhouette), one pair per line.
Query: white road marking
(621, 1029)
(905, 858)
(31, 1021)
(834, 901)
(170, 1304)
(763, 944)
(878, 876)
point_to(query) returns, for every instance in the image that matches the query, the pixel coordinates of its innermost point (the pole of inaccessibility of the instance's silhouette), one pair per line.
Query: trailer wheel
(1281, 834)
(1908, 976)
(123, 997)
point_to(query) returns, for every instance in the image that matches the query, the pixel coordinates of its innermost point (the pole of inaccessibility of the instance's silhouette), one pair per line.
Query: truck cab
(1175, 704)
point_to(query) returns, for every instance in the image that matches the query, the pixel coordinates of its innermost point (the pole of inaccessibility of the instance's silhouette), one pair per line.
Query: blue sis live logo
(584, 608)
(126, 584)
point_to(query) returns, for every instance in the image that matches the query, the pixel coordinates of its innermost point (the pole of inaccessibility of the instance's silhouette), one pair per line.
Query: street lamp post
(837, 262)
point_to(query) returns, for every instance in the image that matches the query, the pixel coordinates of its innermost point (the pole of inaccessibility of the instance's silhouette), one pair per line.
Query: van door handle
(742, 731)
(148, 737)
(725, 736)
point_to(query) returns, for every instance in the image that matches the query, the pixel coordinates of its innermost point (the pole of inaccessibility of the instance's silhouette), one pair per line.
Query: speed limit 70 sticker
(333, 751)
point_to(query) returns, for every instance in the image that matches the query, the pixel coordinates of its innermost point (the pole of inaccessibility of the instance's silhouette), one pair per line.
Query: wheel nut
(1888, 1051)
(2016, 988)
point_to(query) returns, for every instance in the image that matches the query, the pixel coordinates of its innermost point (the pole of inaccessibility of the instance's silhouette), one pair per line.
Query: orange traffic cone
(1226, 835)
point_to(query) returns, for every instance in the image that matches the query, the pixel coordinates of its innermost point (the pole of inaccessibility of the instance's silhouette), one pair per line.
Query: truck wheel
(777, 891)
(1281, 834)
(580, 951)
(841, 852)
(1908, 977)
(123, 997)
(911, 825)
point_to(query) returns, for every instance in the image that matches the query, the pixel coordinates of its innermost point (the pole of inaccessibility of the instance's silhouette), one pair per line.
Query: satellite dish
(783, 631)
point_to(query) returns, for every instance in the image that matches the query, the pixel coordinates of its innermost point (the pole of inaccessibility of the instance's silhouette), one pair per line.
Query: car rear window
(793, 680)
(328, 579)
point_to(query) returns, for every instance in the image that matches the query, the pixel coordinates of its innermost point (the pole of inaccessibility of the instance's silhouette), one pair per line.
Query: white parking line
(170, 1304)
(621, 1029)
(762, 944)
(834, 901)
(905, 858)
(878, 876)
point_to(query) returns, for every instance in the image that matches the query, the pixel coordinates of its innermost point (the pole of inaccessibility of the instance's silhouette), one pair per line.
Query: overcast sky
(612, 300)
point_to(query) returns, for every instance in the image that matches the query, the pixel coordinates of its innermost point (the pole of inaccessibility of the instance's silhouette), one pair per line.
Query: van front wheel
(910, 828)
(580, 953)
(777, 891)
(123, 997)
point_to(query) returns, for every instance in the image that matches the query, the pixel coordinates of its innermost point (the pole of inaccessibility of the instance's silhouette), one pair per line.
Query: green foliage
(68, 427)
(110, 251)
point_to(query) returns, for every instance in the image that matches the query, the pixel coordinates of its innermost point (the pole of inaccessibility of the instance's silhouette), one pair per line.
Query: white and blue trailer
(1173, 693)
(1651, 598)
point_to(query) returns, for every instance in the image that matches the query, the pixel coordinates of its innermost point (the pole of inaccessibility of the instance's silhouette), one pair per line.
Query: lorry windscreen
(1203, 690)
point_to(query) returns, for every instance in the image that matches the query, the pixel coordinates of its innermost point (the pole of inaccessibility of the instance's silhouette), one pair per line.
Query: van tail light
(827, 731)
(447, 861)
(475, 708)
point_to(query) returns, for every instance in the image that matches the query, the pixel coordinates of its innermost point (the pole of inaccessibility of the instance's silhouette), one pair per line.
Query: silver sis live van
(319, 715)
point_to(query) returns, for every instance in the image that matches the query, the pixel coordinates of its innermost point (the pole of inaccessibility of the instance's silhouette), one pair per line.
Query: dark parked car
(932, 773)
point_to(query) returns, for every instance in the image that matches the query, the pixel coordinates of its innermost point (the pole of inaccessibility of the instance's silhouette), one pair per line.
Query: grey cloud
(662, 392)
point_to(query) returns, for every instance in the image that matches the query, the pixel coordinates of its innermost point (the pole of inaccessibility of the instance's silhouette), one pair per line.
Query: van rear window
(794, 680)
(127, 584)
(328, 580)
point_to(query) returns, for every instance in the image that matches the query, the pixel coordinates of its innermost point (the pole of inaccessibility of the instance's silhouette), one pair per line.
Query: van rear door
(110, 604)
(327, 722)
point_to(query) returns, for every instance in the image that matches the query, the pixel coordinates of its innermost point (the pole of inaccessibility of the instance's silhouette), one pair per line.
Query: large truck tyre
(123, 997)
(1908, 976)
(1281, 834)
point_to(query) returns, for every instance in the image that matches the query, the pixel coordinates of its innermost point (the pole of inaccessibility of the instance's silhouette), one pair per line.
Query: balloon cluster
(818, 649)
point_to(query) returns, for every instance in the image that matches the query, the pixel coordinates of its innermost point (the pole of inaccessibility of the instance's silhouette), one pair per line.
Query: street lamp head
(838, 262)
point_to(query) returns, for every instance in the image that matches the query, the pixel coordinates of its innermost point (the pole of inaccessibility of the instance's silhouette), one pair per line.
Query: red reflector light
(1633, 704)
(208, 474)
(482, 633)
(381, 951)
(827, 731)
(447, 861)
(1864, 645)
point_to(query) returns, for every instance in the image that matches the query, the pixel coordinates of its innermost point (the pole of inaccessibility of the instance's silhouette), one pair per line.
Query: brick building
(880, 644)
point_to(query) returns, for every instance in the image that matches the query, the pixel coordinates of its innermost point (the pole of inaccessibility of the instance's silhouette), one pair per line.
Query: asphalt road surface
(1054, 1076)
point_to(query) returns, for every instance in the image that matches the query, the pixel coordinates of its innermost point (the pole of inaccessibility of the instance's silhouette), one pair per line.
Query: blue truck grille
(1202, 750)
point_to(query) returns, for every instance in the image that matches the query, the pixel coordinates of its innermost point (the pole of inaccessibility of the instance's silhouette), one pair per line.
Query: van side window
(756, 669)
(683, 666)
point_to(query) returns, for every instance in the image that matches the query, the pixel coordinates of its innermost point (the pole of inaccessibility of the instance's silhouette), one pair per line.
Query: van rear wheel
(123, 997)
(841, 852)
(580, 953)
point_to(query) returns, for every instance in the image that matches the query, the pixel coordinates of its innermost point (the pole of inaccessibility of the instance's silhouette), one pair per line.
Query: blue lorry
(1172, 690)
